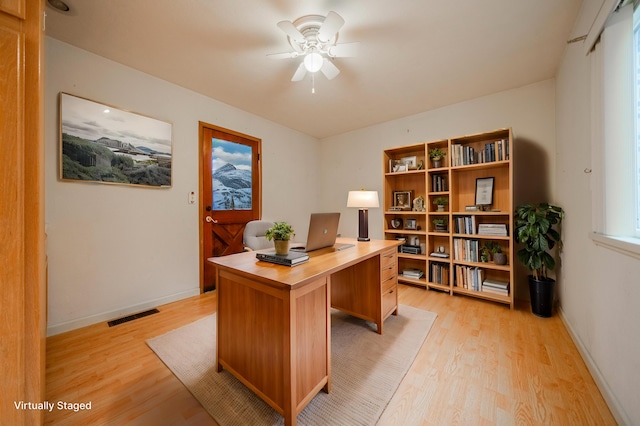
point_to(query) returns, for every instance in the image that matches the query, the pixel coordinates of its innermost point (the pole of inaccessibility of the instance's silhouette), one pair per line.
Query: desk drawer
(388, 272)
(389, 283)
(389, 302)
(388, 258)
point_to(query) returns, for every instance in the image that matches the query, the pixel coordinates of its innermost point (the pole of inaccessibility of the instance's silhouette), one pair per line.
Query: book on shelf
(439, 183)
(290, 259)
(412, 273)
(495, 286)
(438, 254)
(468, 277)
(439, 273)
(462, 155)
(466, 250)
(495, 291)
(465, 224)
(496, 229)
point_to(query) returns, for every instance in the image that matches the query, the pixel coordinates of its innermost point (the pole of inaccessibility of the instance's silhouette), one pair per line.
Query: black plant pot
(541, 292)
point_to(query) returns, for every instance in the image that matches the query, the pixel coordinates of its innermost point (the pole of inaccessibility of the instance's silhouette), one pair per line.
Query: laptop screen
(323, 230)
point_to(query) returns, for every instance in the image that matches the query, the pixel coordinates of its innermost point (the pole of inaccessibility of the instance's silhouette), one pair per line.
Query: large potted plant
(280, 233)
(535, 227)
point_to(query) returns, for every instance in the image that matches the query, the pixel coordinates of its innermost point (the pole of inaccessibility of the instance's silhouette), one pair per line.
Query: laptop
(323, 230)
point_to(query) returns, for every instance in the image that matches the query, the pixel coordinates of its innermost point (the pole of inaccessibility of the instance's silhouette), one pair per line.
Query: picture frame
(411, 224)
(402, 200)
(101, 143)
(484, 191)
(411, 162)
(396, 166)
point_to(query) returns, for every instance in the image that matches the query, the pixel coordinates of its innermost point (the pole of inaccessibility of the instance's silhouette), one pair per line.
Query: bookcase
(443, 245)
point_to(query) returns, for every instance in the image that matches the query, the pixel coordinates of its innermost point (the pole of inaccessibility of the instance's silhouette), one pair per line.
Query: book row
(439, 273)
(462, 155)
(466, 250)
(439, 183)
(473, 278)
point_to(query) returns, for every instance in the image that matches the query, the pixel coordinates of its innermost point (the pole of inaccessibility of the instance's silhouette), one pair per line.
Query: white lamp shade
(313, 62)
(363, 199)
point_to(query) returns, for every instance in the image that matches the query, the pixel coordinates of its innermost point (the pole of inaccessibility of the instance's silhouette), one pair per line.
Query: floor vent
(132, 317)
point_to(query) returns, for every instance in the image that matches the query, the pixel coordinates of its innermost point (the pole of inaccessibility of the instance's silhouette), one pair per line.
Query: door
(22, 238)
(230, 193)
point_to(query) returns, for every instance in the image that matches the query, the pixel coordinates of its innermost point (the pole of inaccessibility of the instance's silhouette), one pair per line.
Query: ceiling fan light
(313, 62)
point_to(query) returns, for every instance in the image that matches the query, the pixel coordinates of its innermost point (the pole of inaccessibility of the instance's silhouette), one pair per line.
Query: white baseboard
(612, 402)
(52, 330)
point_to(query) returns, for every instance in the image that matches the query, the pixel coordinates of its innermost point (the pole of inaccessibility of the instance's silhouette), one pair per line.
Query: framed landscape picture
(104, 144)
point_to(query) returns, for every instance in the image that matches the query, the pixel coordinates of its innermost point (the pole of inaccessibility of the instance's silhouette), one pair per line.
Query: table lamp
(363, 200)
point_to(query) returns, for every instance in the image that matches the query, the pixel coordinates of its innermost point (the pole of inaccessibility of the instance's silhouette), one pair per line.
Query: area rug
(366, 370)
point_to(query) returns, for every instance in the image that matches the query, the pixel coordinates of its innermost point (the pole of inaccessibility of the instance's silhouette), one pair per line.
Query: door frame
(201, 165)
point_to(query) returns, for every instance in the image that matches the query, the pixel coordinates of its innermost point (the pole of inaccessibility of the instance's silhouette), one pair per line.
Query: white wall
(599, 291)
(354, 160)
(114, 250)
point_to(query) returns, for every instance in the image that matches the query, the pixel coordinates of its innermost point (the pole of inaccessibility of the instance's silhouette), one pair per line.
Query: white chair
(254, 235)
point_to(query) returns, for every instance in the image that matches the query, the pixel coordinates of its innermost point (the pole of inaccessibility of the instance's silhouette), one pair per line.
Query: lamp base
(363, 225)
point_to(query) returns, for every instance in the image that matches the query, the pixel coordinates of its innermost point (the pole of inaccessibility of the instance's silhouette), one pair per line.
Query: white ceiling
(415, 55)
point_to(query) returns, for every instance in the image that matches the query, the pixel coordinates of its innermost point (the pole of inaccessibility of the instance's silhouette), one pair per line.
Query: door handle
(210, 219)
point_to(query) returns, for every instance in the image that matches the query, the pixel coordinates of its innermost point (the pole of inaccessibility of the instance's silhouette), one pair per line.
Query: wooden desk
(274, 324)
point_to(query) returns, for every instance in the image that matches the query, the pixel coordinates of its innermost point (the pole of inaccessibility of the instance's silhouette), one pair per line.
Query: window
(615, 101)
(613, 79)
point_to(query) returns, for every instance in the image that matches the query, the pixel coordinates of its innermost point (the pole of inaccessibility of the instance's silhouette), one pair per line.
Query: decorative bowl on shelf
(396, 223)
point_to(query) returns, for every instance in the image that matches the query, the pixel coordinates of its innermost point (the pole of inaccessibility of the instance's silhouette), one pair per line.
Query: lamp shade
(363, 199)
(313, 62)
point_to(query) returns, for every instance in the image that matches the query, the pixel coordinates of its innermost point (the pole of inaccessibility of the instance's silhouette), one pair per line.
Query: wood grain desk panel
(274, 325)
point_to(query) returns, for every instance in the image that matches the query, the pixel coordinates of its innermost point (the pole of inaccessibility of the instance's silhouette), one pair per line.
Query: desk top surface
(322, 262)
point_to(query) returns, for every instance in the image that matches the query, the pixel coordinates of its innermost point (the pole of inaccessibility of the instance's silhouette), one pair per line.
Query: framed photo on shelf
(484, 191)
(397, 166)
(411, 162)
(411, 224)
(402, 200)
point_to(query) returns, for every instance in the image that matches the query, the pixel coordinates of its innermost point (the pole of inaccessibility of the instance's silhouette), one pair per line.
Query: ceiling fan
(314, 38)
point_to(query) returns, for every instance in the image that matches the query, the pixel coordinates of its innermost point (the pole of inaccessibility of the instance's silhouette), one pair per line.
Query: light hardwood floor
(480, 364)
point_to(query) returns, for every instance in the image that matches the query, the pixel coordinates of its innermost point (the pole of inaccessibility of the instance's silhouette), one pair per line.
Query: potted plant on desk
(534, 227)
(280, 233)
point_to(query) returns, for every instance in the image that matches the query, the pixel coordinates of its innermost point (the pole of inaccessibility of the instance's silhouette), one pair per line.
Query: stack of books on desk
(290, 259)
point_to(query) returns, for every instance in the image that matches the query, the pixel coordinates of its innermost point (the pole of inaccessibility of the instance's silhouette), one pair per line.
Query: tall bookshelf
(450, 258)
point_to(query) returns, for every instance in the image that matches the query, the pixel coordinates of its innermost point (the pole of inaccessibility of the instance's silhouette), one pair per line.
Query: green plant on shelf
(436, 153)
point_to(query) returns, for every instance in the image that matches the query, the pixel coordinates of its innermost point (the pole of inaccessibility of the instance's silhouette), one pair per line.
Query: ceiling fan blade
(331, 25)
(287, 55)
(291, 30)
(300, 72)
(344, 50)
(329, 70)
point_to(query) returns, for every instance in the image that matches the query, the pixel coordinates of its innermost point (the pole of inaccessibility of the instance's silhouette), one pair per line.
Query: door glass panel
(231, 175)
